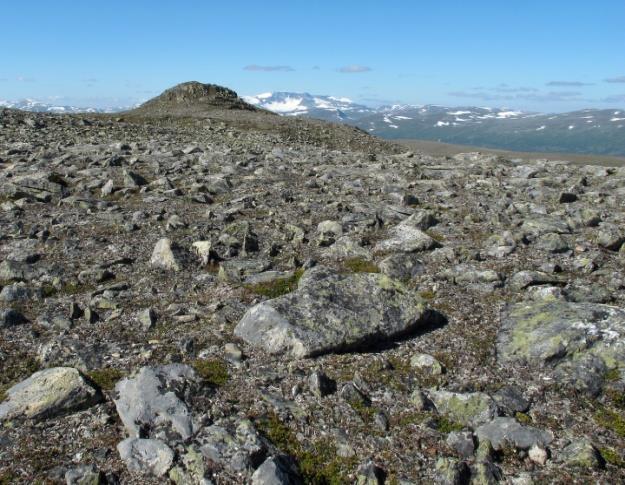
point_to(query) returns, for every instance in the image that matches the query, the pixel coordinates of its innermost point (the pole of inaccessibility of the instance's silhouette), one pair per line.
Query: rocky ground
(215, 299)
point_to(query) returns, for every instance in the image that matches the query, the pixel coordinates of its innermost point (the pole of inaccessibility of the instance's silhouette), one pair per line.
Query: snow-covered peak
(316, 106)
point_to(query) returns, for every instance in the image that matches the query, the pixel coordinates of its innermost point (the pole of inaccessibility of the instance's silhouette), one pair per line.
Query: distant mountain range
(40, 107)
(590, 131)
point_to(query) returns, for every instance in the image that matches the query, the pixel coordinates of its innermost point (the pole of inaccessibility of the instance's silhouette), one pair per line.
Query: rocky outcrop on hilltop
(219, 301)
(193, 98)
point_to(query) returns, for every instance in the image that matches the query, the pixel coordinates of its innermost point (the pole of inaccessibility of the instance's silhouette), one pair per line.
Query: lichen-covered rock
(450, 471)
(507, 431)
(330, 312)
(146, 456)
(564, 335)
(233, 444)
(405, 239)
(427, 364)
(581, 453)
(278, 470)
(149, 403)
(469, 409)
(85, 475)
(49, 393)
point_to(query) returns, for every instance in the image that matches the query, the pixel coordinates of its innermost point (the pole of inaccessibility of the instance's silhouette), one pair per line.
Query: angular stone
(233, 444)
(49, 393)
(330, 312)
(85, 475)
(468, 409)
(405, 239)
(278, 470)
(149, 404)
(10, 318)
(581, 453)
(146, 456)
(163, 256)
(523, 279)
(426, 363)
(554, 333)
(507, 431)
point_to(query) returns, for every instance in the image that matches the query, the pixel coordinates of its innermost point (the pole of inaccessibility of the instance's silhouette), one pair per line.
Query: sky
(548, 55)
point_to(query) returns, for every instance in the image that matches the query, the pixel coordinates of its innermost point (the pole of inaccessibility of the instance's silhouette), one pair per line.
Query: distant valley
(590, 131)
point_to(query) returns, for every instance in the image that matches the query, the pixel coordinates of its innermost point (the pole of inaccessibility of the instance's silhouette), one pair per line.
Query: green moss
(427, 294)
(611, 420)
(278, 287)
(612, 375)
(48, 290)
(395, 377)
(106, 378)
(360, 265)
(437, 236)
(75, 288)
(213, 371)
(445, 425)
(410, 417)
(612, 457)
(318, 463)
(365, 412)
(616, 397)
(523, 418)
(6, 478)
(22, 368)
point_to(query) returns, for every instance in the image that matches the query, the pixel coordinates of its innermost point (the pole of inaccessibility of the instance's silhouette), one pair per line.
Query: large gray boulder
(149, 404)
(330, 312)
(582, 341)
(49, 393)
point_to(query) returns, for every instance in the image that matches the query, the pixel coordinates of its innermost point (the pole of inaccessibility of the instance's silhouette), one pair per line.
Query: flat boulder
(332, 312)
(49, 393)
(507, 431)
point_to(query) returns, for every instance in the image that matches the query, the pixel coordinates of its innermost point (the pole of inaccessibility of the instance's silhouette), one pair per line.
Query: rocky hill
(192, 99)
(221, 295)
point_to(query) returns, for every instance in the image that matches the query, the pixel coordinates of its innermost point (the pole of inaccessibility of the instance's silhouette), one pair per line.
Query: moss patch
(106, 378)
(212, 371)
(437, 236)
(360, 265)
(523, 418)
(318, 463)
(278, 287)
(365, 412)
(610, 420)
(612, 457)
(446, 425)
(16, 371)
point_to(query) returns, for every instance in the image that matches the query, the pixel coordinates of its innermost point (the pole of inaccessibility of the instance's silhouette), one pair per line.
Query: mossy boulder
(581, 342)
(330, 312)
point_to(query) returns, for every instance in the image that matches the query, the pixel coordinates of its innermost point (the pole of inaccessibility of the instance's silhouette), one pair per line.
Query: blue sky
(548, 55)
